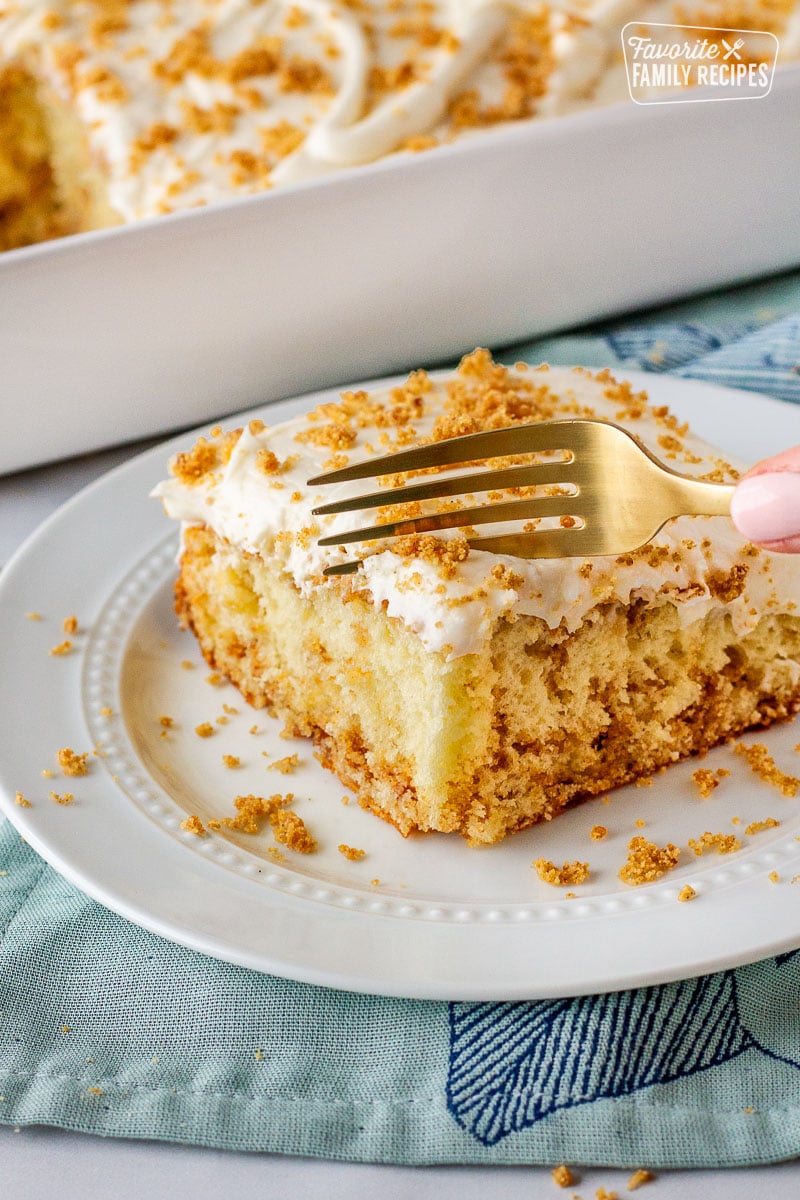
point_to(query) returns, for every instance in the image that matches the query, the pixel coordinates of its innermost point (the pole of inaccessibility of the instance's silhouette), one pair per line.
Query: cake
(455, 689)
(116, 110)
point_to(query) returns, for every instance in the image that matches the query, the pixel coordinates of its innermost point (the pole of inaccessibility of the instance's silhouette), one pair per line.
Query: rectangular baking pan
(128, 332)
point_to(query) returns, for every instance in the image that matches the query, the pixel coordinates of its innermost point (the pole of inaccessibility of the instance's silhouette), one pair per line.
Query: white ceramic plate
(144, 328)
(425, 917)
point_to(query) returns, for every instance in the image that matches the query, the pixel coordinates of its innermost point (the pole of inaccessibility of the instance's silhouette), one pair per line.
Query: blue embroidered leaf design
(513, 1064)
(667, 346)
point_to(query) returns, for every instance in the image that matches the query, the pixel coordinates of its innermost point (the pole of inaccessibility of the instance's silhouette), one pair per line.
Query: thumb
(766, 503)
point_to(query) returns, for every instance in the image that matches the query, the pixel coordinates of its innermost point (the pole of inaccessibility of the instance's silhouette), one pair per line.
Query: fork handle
(698, 497)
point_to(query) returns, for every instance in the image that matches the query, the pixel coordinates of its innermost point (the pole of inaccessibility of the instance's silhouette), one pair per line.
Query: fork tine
(482, 514)
(540, 436)
(572, 543)
(534, 475)
(543, 543)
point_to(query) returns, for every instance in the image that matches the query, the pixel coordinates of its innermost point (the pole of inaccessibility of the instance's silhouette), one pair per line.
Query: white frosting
(242, 505)
(351, 80)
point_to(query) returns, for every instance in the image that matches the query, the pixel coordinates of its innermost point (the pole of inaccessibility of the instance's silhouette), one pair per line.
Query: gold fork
(620, 494)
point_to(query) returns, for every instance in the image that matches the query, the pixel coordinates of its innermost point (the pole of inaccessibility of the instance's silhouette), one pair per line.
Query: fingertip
(765, 508)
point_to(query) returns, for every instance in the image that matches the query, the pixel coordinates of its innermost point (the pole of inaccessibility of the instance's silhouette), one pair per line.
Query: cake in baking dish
(115, 110)
(455, 689)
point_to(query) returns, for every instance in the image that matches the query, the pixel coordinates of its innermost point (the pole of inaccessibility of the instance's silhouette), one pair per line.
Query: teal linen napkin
(108, 1029)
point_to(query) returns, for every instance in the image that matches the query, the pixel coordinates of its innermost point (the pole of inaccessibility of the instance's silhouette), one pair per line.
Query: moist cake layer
(459, 690)
(492, 741)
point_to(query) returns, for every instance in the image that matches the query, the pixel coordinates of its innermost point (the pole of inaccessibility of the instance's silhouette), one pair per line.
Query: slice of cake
(459, 690)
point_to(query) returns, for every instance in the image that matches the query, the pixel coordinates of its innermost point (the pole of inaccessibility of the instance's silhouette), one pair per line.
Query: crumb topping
(762, 764)
(253, 811)
(269, 464)
(290, 830)
(707, 780)
(686, 893)
(62, 797)
(286, 765)
(351, 853)
(72, 763)
(723, 843)
(194, 825)
(567, 876)
(647, 862)
(205, 458)
(760, 826)
(727, 585)
(442, 553)
(562, 1176)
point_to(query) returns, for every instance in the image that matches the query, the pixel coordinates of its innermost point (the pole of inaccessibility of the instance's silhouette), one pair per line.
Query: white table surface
(38, 1163)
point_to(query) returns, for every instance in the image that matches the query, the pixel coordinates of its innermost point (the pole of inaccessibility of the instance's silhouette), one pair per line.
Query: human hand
(766, 503)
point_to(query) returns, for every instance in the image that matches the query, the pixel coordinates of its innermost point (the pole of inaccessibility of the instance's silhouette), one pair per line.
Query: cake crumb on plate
(647, 862)
(566, 876)
(562, 1176)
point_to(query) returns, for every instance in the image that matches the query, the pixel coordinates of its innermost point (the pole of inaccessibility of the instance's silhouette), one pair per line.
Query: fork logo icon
(733, 51)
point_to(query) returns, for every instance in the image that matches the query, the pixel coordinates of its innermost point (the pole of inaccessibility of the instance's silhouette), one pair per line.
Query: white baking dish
(514, 232)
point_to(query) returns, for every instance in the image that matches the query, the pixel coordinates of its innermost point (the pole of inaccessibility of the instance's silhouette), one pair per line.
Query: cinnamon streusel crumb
(254, 811)
(71, 624)
(760, 826)
(639, 1179)
(686, 893)
(62, 797)
(72, 763)
(706, 781)
(724, 843)
(192, 466)
(205, 730)
(20, 800)
(566, 876)
(351, 852)
(290, 830)
(61, 649)
(762, 764)
(286, 765)
(194, 825)
(443, 553)
(562, 1176)
(647, 861)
